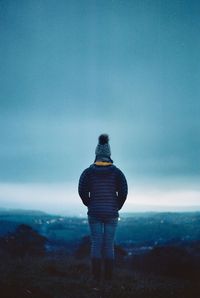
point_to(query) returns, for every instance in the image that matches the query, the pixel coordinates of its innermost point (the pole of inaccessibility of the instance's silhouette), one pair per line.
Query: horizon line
(178, 209)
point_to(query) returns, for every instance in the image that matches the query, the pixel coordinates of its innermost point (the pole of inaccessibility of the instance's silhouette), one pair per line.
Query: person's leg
(96, 230)
(108, 246)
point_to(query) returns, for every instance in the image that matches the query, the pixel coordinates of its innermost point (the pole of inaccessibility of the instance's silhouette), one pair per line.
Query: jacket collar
(103, 163)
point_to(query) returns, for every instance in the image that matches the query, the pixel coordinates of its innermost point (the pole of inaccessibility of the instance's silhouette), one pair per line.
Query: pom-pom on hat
(103, 139)
(103, 151)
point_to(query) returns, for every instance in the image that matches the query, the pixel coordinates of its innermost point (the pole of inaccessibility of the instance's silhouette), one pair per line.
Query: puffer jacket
(103, 189)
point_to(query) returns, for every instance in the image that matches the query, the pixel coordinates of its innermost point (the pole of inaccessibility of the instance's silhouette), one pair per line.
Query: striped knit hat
(103, 151)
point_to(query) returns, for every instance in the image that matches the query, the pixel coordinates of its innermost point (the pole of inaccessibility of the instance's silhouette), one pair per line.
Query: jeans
(102, 237)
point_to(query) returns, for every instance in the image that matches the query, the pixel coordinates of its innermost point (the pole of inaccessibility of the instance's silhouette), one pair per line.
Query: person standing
(103, 189)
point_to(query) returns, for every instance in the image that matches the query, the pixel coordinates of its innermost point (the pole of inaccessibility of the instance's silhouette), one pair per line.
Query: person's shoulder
(89, 169)
(116, 168)
(118, 171)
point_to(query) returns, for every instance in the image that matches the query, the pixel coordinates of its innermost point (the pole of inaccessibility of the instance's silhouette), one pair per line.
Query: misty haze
(70, 71)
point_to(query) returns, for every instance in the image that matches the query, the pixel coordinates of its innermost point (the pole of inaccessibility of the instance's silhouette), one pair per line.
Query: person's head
(103, 152)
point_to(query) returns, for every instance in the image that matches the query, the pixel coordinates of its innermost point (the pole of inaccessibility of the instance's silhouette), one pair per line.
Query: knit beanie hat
(103, 151)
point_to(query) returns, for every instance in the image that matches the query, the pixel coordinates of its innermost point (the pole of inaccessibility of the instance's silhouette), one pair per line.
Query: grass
(61, 276)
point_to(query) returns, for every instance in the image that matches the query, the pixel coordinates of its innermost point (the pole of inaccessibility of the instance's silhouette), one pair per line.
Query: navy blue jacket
(103, 189)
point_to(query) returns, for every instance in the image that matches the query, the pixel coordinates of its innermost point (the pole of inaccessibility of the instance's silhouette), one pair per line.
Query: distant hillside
(134, 229)
(11, 218)
(6, 212)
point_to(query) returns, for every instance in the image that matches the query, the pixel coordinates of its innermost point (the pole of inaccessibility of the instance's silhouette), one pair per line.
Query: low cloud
(64, 199)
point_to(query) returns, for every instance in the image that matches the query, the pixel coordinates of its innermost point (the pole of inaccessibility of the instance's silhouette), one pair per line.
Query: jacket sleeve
(122, 189)
(83, 188)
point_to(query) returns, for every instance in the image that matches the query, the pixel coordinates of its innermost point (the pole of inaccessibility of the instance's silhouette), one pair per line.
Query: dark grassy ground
(63, 276)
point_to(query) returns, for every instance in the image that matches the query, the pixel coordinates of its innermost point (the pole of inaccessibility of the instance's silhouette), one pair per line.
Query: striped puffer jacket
(103, 189)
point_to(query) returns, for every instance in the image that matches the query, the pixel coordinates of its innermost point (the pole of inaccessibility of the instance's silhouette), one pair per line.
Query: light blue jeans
(102, 237)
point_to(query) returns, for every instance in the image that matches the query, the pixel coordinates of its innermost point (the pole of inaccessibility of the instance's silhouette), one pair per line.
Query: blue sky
(71, 70)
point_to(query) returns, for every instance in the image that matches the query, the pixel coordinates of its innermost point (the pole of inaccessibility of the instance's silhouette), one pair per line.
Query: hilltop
(44, 255)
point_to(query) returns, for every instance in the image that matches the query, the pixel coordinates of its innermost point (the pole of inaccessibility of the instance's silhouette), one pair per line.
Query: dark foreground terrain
(157, 256)
(64, 276)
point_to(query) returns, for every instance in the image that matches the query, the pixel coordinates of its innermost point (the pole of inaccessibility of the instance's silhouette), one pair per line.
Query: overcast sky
(70, 70)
